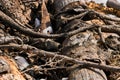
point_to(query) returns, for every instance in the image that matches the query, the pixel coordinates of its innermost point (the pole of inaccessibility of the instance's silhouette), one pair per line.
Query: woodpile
(59, 40)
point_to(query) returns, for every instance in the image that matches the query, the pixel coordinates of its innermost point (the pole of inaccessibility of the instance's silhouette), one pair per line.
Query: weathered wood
(10, 67)
(85, 50)
(113, 4)
(87, 74)
(60, 4)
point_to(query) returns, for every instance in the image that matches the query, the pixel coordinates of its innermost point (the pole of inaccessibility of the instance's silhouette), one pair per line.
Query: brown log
(86, 49)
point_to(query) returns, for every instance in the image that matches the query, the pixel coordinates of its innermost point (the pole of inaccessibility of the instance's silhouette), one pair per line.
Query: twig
(74, 17)
(31, 33)
(111, 29)
(42, 53)
(45, 69)
(101, 37)
(106, 17)
(7, 39)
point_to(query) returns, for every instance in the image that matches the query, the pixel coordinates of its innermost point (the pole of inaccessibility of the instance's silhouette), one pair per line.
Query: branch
(29, 32)
(111, 29)
(42, 53)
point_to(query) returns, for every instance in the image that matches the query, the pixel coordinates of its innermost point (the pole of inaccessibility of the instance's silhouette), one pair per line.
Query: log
(113, 4)
(87, 74)
(60, 4)
(85, 50)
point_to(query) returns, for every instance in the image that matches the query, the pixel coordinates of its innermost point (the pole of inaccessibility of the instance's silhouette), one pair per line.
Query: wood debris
(59, 40)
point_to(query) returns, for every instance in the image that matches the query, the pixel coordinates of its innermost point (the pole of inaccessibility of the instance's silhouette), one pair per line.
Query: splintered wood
(11, 72)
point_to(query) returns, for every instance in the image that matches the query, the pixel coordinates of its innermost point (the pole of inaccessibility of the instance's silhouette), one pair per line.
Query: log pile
(59, 40)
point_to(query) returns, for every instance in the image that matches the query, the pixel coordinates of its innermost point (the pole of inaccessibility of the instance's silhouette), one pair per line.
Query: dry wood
(29, 32)
(60, 4)
(47, 44)
(42, 53)
(113, 4)
(13, 73)
(8, 39)
(87, 74)
(86, 49)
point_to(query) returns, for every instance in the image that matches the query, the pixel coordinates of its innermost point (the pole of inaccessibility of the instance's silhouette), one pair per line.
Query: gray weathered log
(60, 4)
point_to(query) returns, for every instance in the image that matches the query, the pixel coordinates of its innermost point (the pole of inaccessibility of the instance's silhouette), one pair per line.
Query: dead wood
(42, 53)
(8, 39)
(46, 44)
(12, 70)
(60, 4)
(45, 19)
(113, 4)
(82, 46)
(31, 33)
(87, 74)
(74, 17)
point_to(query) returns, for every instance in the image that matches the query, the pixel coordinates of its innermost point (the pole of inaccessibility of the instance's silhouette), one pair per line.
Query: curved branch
(29, 32)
